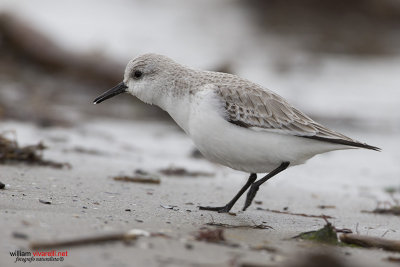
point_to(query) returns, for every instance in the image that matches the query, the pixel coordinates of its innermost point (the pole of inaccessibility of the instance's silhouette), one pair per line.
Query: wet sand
(86, 201)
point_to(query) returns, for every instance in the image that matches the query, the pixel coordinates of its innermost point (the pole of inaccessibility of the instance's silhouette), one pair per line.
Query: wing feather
(261, 109)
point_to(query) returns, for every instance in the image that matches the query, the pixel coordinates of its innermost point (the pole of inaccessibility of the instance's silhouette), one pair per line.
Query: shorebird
(232, 121)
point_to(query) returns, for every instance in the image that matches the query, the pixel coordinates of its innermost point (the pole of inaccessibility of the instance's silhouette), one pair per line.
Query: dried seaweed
(394, 210)
(215, 236)
(387, 207)
(137, 179)
(11, 152)
(173, 171)
(210, 235)
(393, 259)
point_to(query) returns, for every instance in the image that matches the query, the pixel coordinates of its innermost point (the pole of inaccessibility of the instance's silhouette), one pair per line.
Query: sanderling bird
(231, 120)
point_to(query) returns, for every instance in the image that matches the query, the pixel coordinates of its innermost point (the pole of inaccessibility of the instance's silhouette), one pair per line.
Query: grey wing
(260, 109)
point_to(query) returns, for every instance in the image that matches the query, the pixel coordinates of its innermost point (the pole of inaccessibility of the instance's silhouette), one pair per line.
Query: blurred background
(337, 60)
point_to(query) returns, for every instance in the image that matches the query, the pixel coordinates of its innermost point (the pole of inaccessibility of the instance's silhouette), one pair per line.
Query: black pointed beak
(118, 89)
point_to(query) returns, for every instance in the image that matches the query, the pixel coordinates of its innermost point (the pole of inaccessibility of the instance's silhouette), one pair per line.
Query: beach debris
(391, 190)
(254, 226)
(125, 237)
(44, 202)
(263, 247)
(11, 152)
(189, 246)
(169, 207)
(19, 235)
(326, 207)
(136, 179)
(370, 242)
(174, 171)
(343, 230)
(322, 216)
(83, 150)
(317, 259)
(329, 235)
(215, 236)
(326, 235)
(2, 186)
(393, 259)
(140, 176)
(387, 209)
(210, 235)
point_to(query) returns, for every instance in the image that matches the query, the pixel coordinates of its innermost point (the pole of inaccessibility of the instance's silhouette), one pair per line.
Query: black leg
(228, 206)
(255, 186)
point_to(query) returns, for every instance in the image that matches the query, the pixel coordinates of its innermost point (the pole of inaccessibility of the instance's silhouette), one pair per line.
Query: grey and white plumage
(259, 108)
(231, 120)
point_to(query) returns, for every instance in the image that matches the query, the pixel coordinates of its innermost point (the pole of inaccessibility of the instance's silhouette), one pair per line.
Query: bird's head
(146, 77)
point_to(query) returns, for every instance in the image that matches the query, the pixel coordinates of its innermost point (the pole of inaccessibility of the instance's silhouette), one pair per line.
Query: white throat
(178, 107)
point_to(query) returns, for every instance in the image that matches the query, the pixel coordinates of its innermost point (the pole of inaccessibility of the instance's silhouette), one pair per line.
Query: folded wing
(260, 109)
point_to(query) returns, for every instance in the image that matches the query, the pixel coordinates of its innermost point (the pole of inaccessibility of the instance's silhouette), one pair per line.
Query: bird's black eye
(137, 74)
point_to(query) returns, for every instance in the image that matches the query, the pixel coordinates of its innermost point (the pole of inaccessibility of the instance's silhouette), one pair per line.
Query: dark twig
(125, 237)
(255, 226)
(298, 214)
(84, 241)
(369, 241)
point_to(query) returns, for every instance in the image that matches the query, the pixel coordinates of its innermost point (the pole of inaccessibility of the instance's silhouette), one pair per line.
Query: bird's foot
(222, 209)
(250, 196)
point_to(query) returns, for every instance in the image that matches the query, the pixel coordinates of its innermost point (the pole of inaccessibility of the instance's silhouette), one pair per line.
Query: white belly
(241, 148)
